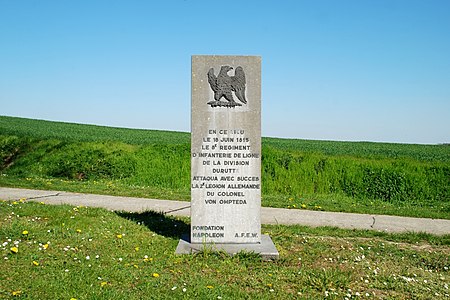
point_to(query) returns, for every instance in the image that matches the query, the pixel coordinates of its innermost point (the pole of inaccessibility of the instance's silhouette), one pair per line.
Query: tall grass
(71, 132)
(392, 180)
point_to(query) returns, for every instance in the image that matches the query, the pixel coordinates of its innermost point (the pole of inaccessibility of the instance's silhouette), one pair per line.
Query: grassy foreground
(64, 252)
(377, 178)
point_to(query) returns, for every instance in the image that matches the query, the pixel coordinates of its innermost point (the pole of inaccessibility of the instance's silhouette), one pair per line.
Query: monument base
(266, 248)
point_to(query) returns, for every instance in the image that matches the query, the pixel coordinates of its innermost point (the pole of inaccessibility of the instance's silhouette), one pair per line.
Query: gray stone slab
(226, 149)
(265, 248)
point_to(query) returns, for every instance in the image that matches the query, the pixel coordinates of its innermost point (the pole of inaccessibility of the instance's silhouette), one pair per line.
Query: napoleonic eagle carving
(223, 85)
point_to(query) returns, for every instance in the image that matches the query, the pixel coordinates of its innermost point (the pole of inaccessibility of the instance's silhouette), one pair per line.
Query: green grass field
(65, 252)
(377, 178)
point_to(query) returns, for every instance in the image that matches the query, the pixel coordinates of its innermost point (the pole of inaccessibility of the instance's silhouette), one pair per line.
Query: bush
(390, 180)
(90, 161)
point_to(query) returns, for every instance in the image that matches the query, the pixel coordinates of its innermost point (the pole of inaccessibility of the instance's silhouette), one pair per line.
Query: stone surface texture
(226, 150)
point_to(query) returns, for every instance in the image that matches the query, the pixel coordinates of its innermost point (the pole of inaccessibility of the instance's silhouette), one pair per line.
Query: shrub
(90, 161)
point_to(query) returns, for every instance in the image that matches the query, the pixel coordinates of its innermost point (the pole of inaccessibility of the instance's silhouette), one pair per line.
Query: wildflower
(78, 230)
(103, 283)
(174, 288)
(14, 249)
(45, 246)
(16, 293)
(156, 275)
(25, 232)
(303, 205)
(209, 287)
(136, 249)
(88, 257)
(35, 263)
(119, 236)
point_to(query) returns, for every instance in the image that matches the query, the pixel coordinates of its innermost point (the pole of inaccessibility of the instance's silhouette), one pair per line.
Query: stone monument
(226, 157)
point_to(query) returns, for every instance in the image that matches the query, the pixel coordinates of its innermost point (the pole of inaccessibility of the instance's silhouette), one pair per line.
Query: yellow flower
(156, 275)
(78, 230)
(45, 246)
(303, 205)
(269, 285)
(14, 249)
(25, 232)
(209, 287)
(15, 203)
(103, 283)
(16, 293)
(136, 249)
(119, 236)
(35, 263)
(73, 298)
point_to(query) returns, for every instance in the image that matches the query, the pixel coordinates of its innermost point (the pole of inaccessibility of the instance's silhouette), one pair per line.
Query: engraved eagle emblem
(223, 85)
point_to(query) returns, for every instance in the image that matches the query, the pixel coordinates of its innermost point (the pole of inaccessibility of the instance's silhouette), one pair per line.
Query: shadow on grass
(159, 223)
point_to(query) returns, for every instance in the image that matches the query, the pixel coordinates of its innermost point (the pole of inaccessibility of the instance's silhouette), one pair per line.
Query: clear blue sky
(332, 70)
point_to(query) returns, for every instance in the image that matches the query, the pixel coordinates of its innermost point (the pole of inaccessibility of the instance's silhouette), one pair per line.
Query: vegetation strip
(378, 178)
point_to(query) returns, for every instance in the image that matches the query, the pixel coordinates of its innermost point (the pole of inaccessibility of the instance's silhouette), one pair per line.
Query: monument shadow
(159, 223)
